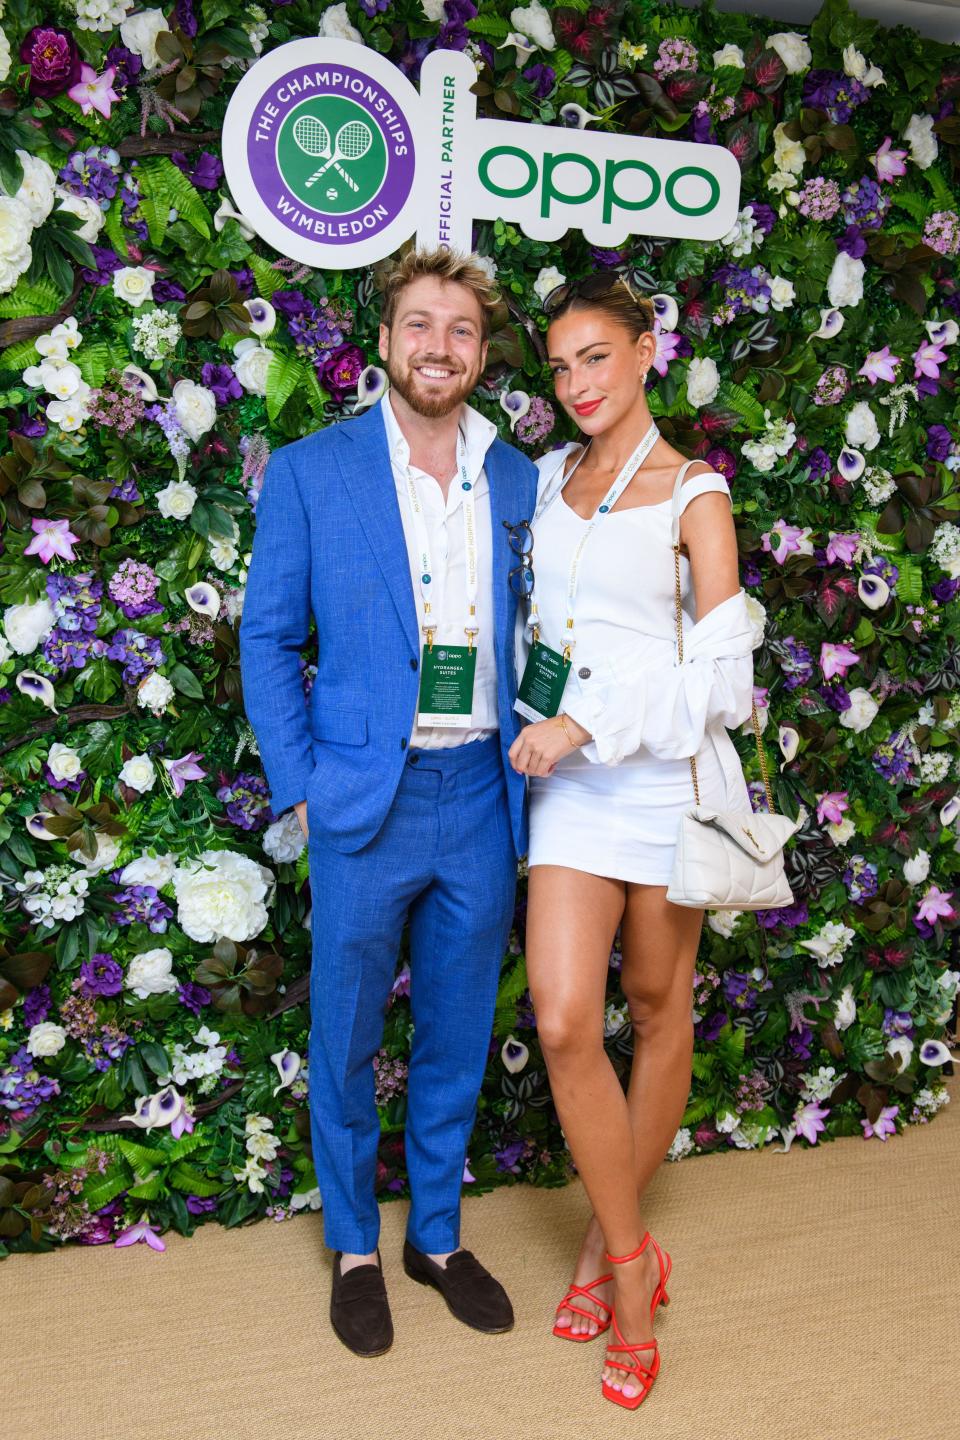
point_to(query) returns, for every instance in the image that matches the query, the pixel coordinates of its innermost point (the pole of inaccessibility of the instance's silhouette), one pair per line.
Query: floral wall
(154, 946)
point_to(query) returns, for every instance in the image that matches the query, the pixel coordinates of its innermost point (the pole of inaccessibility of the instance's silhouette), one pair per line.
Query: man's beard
(433, 407)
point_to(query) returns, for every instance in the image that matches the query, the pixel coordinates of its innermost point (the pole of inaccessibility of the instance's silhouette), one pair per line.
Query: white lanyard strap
(469, 505)
(606, 505)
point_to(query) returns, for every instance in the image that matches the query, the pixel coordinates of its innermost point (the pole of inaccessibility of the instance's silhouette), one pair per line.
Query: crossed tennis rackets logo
(352, 142)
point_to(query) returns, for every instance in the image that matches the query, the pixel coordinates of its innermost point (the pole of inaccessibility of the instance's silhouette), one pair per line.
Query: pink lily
(879, 365)
(52, 537)
(667, 342)
(883, 1125)
(782, 540)
(888, 163)
(936, 905)
(184, 769)
(95, 92)
(830, 807)
(842, 548)
(836, 659)
(926, 361)
(143, 1230)
(809, 1121)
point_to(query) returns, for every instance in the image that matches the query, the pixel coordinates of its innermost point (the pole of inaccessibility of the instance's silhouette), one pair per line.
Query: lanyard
(469, 506)
(606, 505)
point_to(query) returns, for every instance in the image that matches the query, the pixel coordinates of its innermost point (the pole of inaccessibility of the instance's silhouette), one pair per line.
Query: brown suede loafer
(470, 1291)
(359, 1308)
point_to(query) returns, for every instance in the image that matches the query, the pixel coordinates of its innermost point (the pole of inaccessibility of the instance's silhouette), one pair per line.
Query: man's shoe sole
(363, 1354)
(484, 1329)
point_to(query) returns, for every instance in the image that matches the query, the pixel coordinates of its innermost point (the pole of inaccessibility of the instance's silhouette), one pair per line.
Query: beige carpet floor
(815, 1297)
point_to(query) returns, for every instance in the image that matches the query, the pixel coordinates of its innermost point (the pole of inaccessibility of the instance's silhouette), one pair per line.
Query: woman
(610, 776)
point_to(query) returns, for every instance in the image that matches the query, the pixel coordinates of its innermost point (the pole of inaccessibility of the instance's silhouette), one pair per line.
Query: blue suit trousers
(444, 860)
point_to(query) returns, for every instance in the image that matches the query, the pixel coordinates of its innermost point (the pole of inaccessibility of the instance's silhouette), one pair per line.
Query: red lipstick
(588, 407)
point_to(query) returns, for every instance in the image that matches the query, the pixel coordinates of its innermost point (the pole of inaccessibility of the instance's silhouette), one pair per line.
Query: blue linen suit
(396, 834)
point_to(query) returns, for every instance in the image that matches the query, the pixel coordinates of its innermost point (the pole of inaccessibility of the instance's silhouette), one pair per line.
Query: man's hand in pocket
(301, 811)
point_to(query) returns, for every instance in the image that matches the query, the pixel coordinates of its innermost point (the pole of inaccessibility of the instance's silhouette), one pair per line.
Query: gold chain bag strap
(727, 860)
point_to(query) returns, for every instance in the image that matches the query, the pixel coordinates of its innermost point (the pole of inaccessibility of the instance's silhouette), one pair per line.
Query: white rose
(195, 407)
(789, 155)
(133, 283)
(534, 22)
(251, 365)
(139, 33)
(792, 49)
(917, 868)
(845, 283)
(853, 62)
(11, 270)
(5, 56)
(433, 10)
(222, 894)
(156, 870)
(846, 1011)
(150, 974)
(88, 210)
(335, 25)
(284, 840)
(723, 922)
(922, 141)
(757, 616)
(729, 55)
(46, 1039)
(37, 187)
(176, 500)
(16, 228)
(27, 625)
(840, 831)
(782, 293)
(547, 279)
(5, 650)
(703, 381)
(863, 709)
(108, 848)
(63, 763)
(155, 693)
(861, 427)
(139, 774)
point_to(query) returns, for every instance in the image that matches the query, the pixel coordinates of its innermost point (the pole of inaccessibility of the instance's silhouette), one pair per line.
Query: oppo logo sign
(335, 159)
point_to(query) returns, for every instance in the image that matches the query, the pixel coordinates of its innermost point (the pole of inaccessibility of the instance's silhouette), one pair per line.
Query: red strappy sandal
(603, 1323)
(631, 1364)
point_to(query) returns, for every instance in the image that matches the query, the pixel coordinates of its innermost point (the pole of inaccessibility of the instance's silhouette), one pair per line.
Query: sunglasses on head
(589, 288)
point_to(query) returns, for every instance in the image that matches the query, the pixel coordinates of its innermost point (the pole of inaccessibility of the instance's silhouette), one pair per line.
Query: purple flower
(187, 21)
(796, 663)
(53, 58)
(865, 204)
(945, 590)
(23, 1088)
(141, 905)
(77, 602)
(508, 1157)
(205, 172)
(341, 371)
(196, 1204)
(184, 769)
(139, 654)
(36, 1004)
(819, 199)
(860, 878)
(132, 587)
(222, 381)
(106, 262)
(723, 461)
(838, 95)
(100, 975)
(884, 1125)
(92, 173)
(541, 78)
(809, 1121)
(819, 463)
(939, 443)
(141, 1231)
(852, 243)
(126, 65)
(763, 216)
(164, 290)
(247, 801)
(412, 57)
(791, 916)
(193, 997)
(371, 8)
(534, 427)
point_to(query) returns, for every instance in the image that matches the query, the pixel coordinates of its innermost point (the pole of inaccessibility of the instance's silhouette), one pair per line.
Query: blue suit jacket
(329, 543)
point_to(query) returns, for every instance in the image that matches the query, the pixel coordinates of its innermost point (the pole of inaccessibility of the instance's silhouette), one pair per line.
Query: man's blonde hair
(446, 265)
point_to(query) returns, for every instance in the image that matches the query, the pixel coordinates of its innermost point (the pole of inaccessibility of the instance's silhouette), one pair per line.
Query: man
(388, 530)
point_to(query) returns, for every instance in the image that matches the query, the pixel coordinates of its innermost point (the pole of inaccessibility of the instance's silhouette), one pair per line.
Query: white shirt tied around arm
(444, 522)
(626, 686)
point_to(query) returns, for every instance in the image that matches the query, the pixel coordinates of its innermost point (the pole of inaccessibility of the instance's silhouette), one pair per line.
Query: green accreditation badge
(446, 685)
(541, 688)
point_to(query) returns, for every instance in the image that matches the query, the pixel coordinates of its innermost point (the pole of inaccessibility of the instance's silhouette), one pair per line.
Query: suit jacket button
(584, 672)
(413, 663)
(403, 743)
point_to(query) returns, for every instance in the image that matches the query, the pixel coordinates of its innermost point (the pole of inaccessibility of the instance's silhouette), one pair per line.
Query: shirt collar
(478, 432)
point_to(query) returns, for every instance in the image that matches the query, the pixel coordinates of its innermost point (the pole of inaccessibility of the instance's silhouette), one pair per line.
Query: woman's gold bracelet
(563, 723)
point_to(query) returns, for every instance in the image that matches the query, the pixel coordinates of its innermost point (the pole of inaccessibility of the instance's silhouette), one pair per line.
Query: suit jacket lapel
(504, 603)
(368, 477)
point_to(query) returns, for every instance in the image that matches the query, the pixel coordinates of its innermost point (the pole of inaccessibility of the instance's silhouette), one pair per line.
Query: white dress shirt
(444, 522)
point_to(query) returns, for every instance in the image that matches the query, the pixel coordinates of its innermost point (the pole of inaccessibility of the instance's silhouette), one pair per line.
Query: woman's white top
(613, 806)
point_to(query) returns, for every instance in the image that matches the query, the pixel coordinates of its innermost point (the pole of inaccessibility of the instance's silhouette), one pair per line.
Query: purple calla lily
(372, 383)
(37, 687)
(851, 463)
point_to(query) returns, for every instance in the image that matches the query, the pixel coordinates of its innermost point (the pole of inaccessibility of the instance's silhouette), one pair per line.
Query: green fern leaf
(116, 234)
(494, 26)
(40, 298)
(100, 1190)
(93, 362)
(18, 356)
(268, 279)
(143, 1158)
(285, 374)
(162, 179)
(743, 402)
(185, 1177)
(914, 204)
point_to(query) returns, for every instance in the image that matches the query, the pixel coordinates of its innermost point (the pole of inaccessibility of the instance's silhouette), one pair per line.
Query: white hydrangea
(934, 766)
(58, 893)
(335, 25)
(37, 188)
(861, 429)
(222, 894)
(155, 693)
(16, 229)
(945, 548)
(778, 440)
(156, 870)
(5, 58)
(680, 1145)
(878, 484)
(101, 15)
(534, 21)
(919, 135)
(830, 943)
(156, 334)
(928, 1101)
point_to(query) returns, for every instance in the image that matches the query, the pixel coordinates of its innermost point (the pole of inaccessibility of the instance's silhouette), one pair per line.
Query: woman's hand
(538, 747)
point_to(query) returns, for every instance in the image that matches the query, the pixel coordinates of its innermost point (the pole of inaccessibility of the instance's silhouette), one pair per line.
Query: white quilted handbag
(728, 859)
